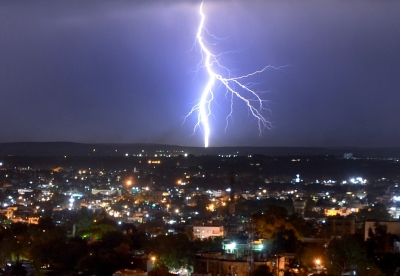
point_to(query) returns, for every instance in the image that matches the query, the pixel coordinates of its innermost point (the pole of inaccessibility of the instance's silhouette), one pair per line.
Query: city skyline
(123, 72)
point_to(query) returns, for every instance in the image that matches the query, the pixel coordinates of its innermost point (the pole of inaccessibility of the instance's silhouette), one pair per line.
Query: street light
(318, 265)
(151, 261)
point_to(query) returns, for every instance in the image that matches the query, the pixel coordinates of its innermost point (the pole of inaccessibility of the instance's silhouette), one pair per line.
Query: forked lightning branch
(235, 87)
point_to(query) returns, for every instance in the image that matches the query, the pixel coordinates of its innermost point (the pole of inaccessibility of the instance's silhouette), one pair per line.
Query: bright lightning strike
(234, 86)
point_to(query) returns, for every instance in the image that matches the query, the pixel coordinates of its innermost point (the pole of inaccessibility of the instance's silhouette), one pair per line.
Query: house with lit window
(205, 232)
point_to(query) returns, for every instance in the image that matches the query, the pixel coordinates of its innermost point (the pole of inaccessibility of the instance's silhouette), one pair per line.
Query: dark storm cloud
(121, 71)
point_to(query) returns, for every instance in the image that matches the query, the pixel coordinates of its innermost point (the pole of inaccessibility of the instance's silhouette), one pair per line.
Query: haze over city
(123, 72)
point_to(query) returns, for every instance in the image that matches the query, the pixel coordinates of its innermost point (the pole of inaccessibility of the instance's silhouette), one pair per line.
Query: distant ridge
(115, 149)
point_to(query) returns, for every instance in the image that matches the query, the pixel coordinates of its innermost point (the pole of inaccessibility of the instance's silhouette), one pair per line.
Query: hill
(82, 149)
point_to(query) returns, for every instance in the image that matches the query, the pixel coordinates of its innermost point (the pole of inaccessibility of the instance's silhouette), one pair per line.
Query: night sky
(124, 71)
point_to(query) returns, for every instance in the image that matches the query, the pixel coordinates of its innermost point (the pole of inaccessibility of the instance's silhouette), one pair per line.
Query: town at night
(199, 138)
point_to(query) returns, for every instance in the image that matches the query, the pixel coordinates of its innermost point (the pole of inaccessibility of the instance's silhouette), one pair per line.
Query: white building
(205, 232)
(218, 193)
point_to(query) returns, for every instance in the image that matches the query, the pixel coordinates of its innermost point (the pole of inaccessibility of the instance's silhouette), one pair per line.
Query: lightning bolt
(234, 87)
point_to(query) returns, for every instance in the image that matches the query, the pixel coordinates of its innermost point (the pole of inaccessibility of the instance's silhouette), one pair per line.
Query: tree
(345, 254)
(84, 220)
(19, 240)
(100, 263)
(153, 228)
(18, 270)
(137, 240)
(160, 270)
(97, 231)
(46, 223)
(370, 270)
(388, 263)
(309, 254)
(275, 224)
(209, 244)
(262, 270)
(377, 212)
(75, 248)
(47, 247)
(3, 218)
(174, 251)
(201, 203)
(379, 240)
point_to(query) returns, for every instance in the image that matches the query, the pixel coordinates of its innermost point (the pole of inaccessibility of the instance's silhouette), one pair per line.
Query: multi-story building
(227, 265)
(299, 207)
(205, 232)
(339, 226)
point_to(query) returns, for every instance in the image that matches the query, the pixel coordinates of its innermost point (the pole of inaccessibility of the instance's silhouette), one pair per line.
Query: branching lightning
(234, 88)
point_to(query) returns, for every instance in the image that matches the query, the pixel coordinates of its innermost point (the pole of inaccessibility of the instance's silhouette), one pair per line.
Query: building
(339, 226)
(33, 220)
(348, 155)
(241, 248)
(224, 265)
(9, 212)
(130, 272)
(104, 192)
(205, 232)
(299, 207)
(158, 196)
(337, 211)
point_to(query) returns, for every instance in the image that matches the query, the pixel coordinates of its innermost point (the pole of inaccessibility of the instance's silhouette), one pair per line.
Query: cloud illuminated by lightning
(234, 87)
